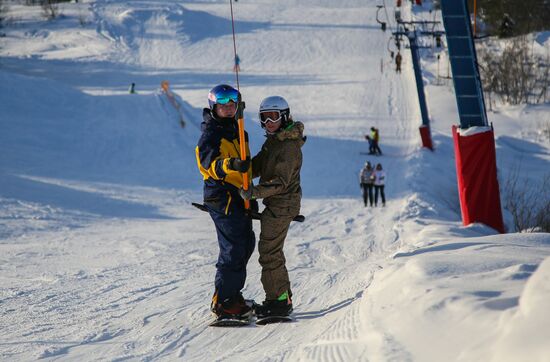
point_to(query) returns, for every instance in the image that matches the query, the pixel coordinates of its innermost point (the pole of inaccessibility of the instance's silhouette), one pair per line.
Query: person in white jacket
(379, 181)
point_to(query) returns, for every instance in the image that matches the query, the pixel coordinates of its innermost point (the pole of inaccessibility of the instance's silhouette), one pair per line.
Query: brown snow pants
(272, 259)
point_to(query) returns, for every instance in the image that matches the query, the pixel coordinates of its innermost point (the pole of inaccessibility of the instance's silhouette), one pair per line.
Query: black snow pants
(379, 188)
(236, 240)
(367, 194)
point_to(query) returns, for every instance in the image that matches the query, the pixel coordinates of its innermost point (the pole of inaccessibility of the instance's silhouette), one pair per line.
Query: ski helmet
(222, 94)
(275, 104)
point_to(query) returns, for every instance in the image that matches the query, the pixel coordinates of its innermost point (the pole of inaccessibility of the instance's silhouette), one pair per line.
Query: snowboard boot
(281, 307)
(214, 302)
(234, 307)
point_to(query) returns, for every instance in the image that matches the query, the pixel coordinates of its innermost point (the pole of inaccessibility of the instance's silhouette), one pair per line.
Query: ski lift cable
(240, 111)
(234, 44)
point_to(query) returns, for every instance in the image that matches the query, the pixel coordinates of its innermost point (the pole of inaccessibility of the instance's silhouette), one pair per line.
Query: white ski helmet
(275, 104)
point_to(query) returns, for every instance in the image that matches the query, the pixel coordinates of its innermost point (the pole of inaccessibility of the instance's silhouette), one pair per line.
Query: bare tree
(528, 202)
(516, 75)
(81, 15)
(3, 12)
(543, 78)
(544, 130)
(50, 9)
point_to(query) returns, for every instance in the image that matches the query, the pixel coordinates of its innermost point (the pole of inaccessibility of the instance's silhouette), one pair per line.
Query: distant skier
(366, 180)
(278, 165)
(237, 66)
(220, 164)
(375, 137)
(379, 181)
(369, 140)
(398, 60)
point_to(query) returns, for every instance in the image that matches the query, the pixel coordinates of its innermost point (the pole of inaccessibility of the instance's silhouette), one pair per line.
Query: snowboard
(231, 321)
(369, 154)
(273, 319)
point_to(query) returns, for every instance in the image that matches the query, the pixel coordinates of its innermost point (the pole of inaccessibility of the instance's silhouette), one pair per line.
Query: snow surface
(103, 257)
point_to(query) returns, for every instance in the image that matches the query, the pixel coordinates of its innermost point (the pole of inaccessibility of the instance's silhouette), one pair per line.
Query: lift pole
(412, 36)
(475, 155)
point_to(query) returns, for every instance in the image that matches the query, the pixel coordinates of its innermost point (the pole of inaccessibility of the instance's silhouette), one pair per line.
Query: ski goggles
(267, 117)
(224, 96)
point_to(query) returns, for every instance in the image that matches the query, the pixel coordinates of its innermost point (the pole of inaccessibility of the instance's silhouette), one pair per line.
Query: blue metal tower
(474, 142)
(462, 54)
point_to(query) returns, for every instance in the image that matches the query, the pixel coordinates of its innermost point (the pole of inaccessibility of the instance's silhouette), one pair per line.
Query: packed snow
(104, 258)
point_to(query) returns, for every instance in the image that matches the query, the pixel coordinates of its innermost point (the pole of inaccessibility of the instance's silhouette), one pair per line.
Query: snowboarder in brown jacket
(278, 165)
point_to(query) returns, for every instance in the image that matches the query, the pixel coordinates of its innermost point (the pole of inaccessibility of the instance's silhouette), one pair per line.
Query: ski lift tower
(474, 142)
(412, 34)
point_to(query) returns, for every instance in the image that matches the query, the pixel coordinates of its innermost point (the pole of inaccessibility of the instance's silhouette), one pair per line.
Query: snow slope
(104, 258)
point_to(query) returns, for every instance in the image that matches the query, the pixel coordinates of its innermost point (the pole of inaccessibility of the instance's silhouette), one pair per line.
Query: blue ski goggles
(224, 96)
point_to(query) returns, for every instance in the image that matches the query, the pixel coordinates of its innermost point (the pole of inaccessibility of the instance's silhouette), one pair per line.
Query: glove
(236, 164)
(246, 194)
(254, 205)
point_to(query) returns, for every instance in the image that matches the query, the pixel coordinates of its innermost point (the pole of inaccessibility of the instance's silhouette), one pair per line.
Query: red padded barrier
(476, 172)
(426, 136)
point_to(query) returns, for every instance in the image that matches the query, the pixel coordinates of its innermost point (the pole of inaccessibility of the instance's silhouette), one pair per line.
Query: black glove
(236, 164)
(246, 194)
(254, 205)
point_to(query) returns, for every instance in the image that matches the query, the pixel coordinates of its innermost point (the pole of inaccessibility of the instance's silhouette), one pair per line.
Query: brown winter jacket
(278, 165)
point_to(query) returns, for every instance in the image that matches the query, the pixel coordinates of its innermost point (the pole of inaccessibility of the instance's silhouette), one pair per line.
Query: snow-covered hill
(103, 257)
